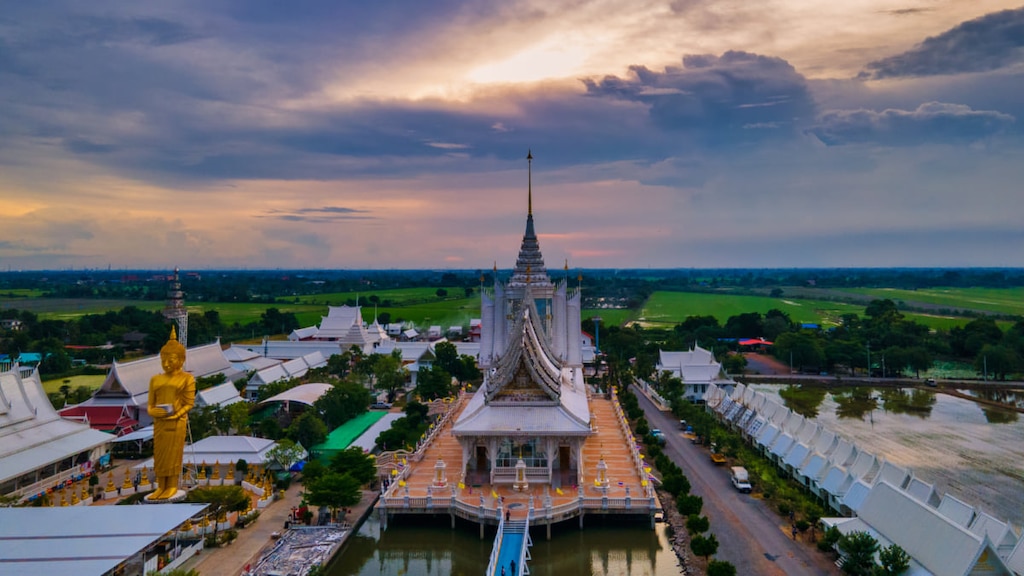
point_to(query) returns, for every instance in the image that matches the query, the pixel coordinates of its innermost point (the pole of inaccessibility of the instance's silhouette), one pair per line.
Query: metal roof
(82, 540)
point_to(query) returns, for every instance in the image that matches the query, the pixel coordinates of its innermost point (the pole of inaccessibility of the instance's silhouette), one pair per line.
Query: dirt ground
(764, 364)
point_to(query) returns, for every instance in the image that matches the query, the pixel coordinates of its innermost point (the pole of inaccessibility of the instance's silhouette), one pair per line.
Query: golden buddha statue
(171, 395)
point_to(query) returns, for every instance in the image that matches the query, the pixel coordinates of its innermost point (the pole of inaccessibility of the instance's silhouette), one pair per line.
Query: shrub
(697, 524)
(721, 568)
(689, 504)
(642, 427)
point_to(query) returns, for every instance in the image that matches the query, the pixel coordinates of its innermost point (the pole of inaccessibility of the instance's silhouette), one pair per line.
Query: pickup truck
(740, 479)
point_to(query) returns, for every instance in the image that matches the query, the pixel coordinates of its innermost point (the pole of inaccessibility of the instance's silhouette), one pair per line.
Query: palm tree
(65, 389)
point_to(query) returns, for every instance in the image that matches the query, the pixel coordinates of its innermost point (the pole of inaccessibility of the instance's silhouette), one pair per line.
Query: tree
(356, 463)
(286, 453)
(308, 429)
(334, 491)
(720, 568)
(344, 401)
(858, 550)
(65, 389)
(441, 292)
(313, 470)
(705, 546)
(996, 360)
(238, 417)
(446, 356)
(696, 524)
(895, 561)
(390, 373)
(433, 383)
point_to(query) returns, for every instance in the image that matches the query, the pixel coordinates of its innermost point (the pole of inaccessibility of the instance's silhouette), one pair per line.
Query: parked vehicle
(930, 382)
(658, 435)
(740, 479)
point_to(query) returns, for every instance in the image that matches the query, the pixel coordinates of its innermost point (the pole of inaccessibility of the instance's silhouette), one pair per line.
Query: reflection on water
(914, 401)
(854, 403)
(804, 400)
(428, 546)
(1008, 397)
(969, 449)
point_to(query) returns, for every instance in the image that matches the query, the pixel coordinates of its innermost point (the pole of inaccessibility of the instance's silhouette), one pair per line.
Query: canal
(416, 546)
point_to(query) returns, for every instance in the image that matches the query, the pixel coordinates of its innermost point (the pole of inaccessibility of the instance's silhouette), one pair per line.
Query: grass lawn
(92, 382)
(999, 300)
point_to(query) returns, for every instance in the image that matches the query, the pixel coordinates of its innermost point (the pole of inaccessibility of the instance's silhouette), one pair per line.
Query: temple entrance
(481, 474)
(565, 474)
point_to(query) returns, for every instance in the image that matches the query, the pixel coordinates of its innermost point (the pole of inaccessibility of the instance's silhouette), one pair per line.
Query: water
(972, 451)
(417, 546)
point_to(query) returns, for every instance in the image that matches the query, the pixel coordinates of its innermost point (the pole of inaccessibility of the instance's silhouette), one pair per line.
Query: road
(751, 537)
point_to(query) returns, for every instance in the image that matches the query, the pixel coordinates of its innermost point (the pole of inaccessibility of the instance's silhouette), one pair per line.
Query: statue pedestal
(178, 497)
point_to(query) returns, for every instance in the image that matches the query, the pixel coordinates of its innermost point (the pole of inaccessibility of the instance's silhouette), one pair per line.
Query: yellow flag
(401, 483)
(596, 483)
(462, 486)
(394, 472)
(559, 492)
(647, 469)
(494, 494)
(643, 483)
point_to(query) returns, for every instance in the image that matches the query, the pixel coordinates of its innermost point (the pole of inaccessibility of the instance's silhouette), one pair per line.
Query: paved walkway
(231, 560)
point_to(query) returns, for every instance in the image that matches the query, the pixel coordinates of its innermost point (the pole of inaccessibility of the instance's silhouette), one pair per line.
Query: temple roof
(526, 361)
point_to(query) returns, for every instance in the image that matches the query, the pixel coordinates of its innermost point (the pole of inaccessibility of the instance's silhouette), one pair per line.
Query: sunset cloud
(386, 135)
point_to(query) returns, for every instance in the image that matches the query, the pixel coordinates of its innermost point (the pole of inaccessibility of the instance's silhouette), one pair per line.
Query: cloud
(931, 122)
(322, 215)
(987, 43)
(715, 95)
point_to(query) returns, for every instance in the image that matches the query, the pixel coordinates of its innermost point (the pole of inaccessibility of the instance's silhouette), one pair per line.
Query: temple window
(531, 450)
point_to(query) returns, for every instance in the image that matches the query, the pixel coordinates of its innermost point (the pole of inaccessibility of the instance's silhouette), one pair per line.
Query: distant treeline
(627, 286)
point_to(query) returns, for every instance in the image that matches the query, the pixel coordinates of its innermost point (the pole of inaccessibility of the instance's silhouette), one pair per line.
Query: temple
(535, 444)
(532, 406)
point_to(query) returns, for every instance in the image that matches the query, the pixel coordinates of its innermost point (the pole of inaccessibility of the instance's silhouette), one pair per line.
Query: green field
(73, 308)
(998, 300)
(611, 317)
(91, 382)
(22, 293)
(670, 308)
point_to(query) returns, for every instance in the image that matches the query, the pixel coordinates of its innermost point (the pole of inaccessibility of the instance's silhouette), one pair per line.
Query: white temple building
(532, 407)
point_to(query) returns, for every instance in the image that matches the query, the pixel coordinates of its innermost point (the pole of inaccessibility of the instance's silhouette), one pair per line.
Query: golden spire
(529, 183)
(566, 264)
(174, 334)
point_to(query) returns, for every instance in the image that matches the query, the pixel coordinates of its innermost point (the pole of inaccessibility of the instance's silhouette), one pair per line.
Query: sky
(393, 134)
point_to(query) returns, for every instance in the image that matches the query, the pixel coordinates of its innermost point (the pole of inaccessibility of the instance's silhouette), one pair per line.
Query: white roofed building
(126, 386)
(697, 368)
(37, 447)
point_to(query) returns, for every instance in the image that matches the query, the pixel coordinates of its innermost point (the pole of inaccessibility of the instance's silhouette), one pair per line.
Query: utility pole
(869, 359)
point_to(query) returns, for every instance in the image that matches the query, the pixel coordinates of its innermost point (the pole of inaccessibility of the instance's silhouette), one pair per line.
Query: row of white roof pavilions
(855, 483)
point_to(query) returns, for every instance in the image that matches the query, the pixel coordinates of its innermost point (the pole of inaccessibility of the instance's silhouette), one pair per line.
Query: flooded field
(972, 451)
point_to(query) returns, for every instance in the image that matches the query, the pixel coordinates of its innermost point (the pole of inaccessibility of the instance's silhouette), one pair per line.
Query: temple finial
(174, 334)
(529, 182)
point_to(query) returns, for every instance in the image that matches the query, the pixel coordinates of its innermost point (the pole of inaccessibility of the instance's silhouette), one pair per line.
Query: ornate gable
(527, 371)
